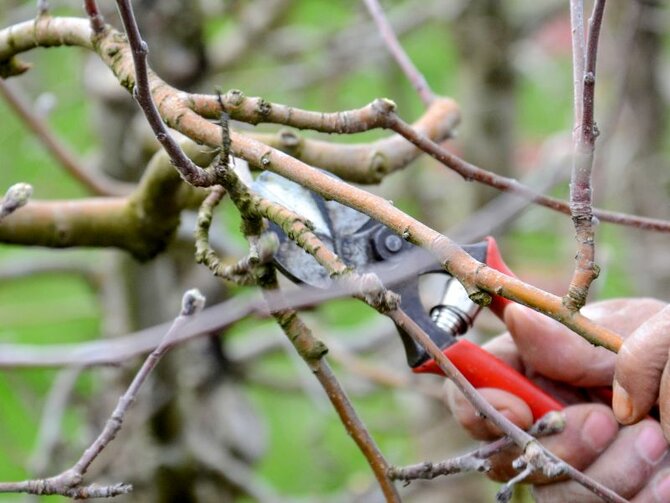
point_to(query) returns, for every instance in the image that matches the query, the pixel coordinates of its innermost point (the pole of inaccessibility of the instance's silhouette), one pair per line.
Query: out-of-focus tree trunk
(484, 34)
(635, 155)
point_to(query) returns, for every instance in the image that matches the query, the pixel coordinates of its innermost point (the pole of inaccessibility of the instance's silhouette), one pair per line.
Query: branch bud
(16, 196)
(192, 303)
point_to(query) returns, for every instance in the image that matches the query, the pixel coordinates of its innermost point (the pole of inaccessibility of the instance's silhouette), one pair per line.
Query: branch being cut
(372, 292)
(308, 347)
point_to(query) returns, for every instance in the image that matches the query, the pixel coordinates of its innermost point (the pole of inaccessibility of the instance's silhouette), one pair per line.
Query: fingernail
(661, 488)
(650, 444)
(622, 405)
(598, 431)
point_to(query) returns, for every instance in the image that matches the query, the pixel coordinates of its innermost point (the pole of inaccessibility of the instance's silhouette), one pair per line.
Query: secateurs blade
(367, 245)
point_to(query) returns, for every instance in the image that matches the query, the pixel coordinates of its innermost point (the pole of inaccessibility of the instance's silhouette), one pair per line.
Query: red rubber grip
(484, 370)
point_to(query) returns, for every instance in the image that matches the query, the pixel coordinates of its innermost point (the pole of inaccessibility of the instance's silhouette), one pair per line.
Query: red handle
(484, 370)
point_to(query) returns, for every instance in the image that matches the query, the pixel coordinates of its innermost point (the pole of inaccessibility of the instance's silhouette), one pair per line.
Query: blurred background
(237, 416)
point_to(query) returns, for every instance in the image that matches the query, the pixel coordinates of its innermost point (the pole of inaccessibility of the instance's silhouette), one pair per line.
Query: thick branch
(143, 223)
(368, 162)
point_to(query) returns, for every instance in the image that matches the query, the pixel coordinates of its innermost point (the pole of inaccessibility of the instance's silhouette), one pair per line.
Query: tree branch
(93, 13)
(192, 173)
(173, 105)
(581, 193)
(142, 223)
(69, 482)
(308, 347)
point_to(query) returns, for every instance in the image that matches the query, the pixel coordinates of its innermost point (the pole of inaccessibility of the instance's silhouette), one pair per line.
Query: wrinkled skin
(631, 459)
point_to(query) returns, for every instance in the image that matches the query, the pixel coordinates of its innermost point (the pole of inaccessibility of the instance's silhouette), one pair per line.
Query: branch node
(266, 160)
(13, 67)
(479, 297)
(384, 106)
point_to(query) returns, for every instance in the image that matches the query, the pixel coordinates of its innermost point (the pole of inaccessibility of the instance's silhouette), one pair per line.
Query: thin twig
(68, 483)
(93, 13)
(191, 172)
(578, 58)
(505, 493)
(95, 184)
(241, 272)
(192, 304)
(415, 77)
(471, 172)
(581, 194)
(429, 470)
(313, 351)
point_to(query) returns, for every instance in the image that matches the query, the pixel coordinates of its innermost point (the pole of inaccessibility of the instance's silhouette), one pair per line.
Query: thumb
(641, 363)
(556, 352)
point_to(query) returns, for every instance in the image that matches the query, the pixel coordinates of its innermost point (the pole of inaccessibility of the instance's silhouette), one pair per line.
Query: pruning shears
(368, 245)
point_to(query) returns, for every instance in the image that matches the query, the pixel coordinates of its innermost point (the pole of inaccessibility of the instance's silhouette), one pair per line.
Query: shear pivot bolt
(393, 243)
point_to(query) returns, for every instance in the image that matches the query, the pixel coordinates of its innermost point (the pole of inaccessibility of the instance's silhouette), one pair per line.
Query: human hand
(630, 460)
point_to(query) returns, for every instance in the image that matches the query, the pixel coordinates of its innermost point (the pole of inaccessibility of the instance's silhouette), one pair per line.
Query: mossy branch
(142, 223)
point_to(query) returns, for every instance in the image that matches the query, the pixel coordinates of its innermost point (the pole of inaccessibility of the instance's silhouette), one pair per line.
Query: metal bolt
(393, 243)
